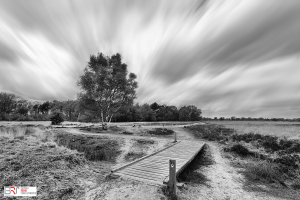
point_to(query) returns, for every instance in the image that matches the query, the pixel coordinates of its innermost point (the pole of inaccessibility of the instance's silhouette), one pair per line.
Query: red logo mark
(13, 190)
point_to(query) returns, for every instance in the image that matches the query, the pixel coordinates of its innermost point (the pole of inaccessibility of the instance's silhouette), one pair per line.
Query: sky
(227, 57)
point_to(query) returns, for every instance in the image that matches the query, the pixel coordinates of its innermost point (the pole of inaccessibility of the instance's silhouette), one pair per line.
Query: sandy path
(224, 181)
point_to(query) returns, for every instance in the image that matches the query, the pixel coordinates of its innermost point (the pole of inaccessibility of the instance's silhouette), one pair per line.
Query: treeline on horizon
(14, 108)
(249, 119)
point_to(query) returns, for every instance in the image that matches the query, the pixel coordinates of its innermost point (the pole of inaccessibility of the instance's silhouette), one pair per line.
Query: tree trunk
(104, 125)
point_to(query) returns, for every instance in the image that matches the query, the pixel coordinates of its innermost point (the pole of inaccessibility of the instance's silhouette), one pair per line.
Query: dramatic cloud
(227, 57)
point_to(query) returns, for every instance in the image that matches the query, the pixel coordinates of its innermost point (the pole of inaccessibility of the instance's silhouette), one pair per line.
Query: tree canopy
(106, 86)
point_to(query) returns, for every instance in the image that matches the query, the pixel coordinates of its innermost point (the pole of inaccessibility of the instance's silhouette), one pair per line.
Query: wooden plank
(148, 169)
(114, 170)
(141, 179)
(152, 166)
(175, 155)
(179, 151)
(159, 162)
(155, 165)
(144, 173)
(156, 161)
(171, 157)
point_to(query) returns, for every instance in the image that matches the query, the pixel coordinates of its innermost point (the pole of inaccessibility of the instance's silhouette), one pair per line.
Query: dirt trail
(224, 181)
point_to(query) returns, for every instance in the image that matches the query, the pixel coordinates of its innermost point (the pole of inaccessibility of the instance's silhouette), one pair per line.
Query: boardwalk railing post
(172, 177)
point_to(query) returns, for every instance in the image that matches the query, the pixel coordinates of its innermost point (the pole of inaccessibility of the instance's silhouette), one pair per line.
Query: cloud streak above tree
(227, 57)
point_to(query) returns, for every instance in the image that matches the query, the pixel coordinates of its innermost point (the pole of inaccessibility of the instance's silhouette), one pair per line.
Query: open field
(74, 163)
(279, 129)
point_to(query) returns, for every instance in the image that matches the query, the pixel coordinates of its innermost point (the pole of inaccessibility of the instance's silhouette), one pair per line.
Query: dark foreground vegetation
(95, 148)
(267, 158)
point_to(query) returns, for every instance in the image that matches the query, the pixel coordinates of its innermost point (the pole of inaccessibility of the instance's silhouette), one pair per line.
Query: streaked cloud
(227, 57)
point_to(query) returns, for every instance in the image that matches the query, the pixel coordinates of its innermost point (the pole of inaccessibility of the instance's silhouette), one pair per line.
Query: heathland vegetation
(266, 158)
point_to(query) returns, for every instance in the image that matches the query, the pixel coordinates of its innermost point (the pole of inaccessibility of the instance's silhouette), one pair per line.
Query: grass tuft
(258, 170)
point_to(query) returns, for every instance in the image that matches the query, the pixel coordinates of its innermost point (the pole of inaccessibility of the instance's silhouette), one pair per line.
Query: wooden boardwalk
(154, 168)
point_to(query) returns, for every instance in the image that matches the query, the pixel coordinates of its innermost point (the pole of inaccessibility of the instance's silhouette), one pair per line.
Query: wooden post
(175, 137)
(172, 177)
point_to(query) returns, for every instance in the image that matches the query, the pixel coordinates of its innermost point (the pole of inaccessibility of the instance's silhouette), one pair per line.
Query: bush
(4, 117)
(161, 131)
(94, 148)
(288, 160)
(263, 171)
(296, 184)
(240, 150)
(56, 118)
(127, 133)
(210, 132)
(248, 137)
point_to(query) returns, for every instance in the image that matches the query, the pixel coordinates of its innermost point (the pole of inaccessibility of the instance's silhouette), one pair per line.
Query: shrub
(127, 133)
(56, 118)
(161, 131)
(210, 132)
(240, 150)
(263, 171)
(4, 117)
(144, 141)
(288, 160)
(271, 143)
(296, 184)
(93, 147)
(248, 137)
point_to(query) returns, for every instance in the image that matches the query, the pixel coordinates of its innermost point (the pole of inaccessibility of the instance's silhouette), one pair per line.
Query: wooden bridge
(154, 168)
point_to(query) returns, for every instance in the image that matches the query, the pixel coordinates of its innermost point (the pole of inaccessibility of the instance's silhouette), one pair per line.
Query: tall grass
(14, 132)
(261, 170)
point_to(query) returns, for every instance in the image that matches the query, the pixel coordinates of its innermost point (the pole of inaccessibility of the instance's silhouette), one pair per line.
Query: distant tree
(35, 109)
(8, 102)
(154, 106)
(172, 114)
(189, 113)
(45, 107)
(23, 111)
(147, 113)
(105, 87)
(22, 106)
(161, 113)
(70, 109)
